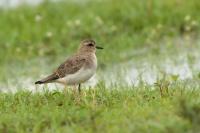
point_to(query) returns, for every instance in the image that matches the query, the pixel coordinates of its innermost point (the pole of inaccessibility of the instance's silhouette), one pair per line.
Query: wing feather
(70, 66)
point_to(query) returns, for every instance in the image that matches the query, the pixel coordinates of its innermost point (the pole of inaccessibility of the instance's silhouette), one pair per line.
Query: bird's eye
(90, 44)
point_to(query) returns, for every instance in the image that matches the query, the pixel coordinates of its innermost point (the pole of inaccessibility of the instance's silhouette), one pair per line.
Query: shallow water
(14, 3)
(143, 68)
(182, 65)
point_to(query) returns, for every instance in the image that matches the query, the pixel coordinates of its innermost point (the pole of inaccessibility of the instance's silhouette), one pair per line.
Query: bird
(78, 68)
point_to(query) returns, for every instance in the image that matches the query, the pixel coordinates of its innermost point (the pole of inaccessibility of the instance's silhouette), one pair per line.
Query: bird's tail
(48, 79)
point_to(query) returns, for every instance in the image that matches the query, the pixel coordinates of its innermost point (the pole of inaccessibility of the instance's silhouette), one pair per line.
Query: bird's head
(89, 46)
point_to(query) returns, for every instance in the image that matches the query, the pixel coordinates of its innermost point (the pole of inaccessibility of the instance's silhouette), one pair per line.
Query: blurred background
(144, 40)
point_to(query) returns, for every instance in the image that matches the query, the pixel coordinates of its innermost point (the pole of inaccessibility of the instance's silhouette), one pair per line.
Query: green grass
(35, 39)
(117, 25)
(101, 110)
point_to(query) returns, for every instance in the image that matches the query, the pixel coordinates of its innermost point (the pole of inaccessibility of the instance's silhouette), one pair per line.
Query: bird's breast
(94, 61)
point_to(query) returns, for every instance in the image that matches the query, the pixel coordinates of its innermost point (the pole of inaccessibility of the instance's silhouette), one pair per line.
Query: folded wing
(70, 66)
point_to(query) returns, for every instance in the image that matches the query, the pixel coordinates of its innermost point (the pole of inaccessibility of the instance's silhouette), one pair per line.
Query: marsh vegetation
(148, 77)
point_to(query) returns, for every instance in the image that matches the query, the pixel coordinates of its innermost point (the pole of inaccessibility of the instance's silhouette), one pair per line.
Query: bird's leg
(74, 89)
(65, 88)
(79, 88)
(36, 88)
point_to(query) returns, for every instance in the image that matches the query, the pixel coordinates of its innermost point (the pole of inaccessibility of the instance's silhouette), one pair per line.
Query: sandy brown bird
(78, 68)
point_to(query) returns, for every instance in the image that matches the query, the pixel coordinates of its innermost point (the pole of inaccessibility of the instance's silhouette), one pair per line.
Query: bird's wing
(70, 66)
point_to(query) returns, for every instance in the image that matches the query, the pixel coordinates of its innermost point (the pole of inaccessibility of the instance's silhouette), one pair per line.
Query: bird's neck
(86, 52)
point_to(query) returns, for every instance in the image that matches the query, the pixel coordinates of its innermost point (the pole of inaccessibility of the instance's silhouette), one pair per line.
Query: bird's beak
(97, 47)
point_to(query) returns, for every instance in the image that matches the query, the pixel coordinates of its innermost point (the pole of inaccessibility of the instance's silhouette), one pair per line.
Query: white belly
(81, 76)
